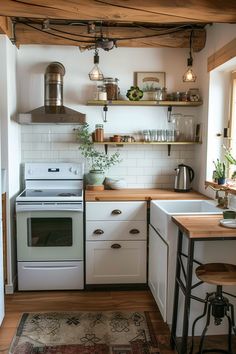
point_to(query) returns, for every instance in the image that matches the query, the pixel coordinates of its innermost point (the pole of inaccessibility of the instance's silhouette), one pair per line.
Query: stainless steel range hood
(53, 110)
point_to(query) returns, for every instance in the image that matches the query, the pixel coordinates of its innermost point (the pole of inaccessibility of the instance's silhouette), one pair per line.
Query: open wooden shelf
(148, 143)
(168, 143)
(143, 103)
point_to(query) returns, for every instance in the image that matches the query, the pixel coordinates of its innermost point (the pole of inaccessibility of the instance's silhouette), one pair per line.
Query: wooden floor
(20, 302)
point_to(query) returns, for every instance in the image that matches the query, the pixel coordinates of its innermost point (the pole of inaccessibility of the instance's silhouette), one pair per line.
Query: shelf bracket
(169, 149)
(106, 148)
(169, 114)
(105, 109)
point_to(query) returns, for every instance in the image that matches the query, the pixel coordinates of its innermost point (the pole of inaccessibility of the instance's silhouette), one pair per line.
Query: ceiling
(102, 23)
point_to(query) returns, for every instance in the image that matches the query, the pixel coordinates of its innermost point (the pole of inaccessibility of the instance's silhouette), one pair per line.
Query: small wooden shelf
(168, 143)
(143, 103)
(149, 143)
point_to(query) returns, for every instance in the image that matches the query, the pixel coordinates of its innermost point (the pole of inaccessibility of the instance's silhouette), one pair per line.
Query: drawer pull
(98, 232)
(116, 245)
(116, 212)
(134, 231)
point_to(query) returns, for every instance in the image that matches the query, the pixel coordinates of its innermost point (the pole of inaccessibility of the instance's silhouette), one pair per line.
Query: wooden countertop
(203, 227)
(140, 194)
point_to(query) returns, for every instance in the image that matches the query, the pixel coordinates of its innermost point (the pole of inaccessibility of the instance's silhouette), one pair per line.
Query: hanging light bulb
(189, 75)
(95, 74)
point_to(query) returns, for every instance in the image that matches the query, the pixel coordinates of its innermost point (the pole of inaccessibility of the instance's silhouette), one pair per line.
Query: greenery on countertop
(97, 160)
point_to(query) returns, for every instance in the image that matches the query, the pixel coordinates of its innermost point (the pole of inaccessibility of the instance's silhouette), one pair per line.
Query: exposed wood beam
(6, 26)
(222, 55)
(162, 11)
(28, 35)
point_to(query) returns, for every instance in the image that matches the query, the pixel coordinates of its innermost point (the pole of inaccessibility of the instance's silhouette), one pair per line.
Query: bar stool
(216, 304)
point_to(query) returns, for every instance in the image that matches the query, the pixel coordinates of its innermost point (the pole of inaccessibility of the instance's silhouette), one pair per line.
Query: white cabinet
(116, 242)
(158, 263)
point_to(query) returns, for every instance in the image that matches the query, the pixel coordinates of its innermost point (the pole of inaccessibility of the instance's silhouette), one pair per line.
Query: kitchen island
(194, 228)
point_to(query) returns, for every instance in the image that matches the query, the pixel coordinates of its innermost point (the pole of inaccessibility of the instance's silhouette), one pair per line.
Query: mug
(229, 214)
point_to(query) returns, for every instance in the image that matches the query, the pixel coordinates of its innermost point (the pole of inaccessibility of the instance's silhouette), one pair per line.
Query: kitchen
(142, 166)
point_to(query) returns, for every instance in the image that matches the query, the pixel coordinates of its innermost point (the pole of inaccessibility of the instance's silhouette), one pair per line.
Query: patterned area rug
(85, 333)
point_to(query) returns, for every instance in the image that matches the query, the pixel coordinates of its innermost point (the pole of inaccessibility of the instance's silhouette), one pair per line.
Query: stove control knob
(76, 172)
(30, 171)
(71, 169)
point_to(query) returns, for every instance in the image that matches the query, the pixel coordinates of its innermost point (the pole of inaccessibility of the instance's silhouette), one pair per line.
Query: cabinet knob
(116, 212)
(98, 232)
(116, 245)
(134, 231)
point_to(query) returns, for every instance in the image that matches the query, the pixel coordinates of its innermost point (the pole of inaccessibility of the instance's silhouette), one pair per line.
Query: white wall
(217, 36)
(141, 166)
(11, 148)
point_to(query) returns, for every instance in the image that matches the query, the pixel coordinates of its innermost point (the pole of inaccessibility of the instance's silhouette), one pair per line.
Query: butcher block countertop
(140, 194)
(203, 227)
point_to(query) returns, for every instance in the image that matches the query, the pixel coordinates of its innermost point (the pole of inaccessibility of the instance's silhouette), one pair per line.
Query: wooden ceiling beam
(6, 26)
(152, 11)
(28, 35)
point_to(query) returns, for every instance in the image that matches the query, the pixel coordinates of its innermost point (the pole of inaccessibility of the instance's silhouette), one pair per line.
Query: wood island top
(140, 194)
(203, 227)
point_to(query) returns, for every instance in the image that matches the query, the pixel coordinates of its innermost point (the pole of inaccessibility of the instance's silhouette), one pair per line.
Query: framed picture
(149, 81)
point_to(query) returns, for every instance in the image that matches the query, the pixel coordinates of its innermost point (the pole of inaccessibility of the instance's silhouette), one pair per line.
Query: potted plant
(99, 162)
(231, 160)
(219, 172)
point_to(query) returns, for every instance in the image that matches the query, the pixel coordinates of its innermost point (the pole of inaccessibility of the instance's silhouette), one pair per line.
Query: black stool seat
(216, 304)
(217, 273)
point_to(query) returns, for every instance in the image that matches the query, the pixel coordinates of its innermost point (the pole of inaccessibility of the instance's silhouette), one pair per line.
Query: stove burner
(67, 195)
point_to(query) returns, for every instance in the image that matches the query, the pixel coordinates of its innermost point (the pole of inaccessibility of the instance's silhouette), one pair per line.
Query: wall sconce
(95, 74)
(189, 75)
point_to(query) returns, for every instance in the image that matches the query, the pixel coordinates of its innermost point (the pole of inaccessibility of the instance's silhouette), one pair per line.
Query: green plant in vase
(99, 162)
(219, 172)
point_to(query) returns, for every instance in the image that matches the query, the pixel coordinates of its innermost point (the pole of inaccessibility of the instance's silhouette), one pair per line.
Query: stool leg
(203, 336)
(195, 322)
(232, 318)
(229, 334)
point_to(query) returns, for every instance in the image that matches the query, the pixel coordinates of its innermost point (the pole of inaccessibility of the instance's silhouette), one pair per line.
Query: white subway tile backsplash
(142, 166)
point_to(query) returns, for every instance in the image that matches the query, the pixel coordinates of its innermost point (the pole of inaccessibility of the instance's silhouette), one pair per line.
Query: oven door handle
(29, 208)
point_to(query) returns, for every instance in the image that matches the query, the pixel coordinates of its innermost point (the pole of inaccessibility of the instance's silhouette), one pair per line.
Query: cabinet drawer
(116, 230)
(115, 211)
(116, 262)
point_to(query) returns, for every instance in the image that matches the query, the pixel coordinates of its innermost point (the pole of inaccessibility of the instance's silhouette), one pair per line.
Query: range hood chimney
(53, 110)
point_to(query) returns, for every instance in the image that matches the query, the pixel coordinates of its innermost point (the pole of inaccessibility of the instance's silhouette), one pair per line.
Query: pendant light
(95, 74)
(189, 75)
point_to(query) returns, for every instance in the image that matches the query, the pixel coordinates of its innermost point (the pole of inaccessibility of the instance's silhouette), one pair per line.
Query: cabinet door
(158, 276)
(115, 262)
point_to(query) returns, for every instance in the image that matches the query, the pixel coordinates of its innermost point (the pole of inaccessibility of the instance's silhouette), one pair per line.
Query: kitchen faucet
(222, 201)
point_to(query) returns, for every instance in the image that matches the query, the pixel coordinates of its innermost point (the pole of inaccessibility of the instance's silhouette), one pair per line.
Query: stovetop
(41, 193)
(30, 195)
(52, 182)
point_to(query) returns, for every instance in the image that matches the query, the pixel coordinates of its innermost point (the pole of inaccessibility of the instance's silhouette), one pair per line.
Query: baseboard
(10, 288)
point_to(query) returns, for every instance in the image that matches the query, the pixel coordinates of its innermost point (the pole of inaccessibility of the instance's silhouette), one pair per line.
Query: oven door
(49, 235)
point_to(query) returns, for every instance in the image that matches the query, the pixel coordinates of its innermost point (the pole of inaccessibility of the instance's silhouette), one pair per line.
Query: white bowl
(119, 184)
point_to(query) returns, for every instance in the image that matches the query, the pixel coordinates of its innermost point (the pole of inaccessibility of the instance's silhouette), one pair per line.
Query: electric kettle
(183, 178)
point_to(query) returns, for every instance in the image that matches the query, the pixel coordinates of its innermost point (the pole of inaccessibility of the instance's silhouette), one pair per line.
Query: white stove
(50, 227)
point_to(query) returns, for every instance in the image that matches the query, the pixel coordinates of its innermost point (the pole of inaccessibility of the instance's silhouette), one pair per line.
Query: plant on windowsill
(231, 160)
(99, 162)
(219, 172)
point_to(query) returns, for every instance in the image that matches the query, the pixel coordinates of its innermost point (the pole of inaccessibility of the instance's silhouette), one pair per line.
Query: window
(232, 122)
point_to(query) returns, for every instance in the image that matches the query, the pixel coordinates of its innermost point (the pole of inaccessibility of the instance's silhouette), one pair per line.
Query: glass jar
(112, 89)
(102, 93)
(99, 132)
